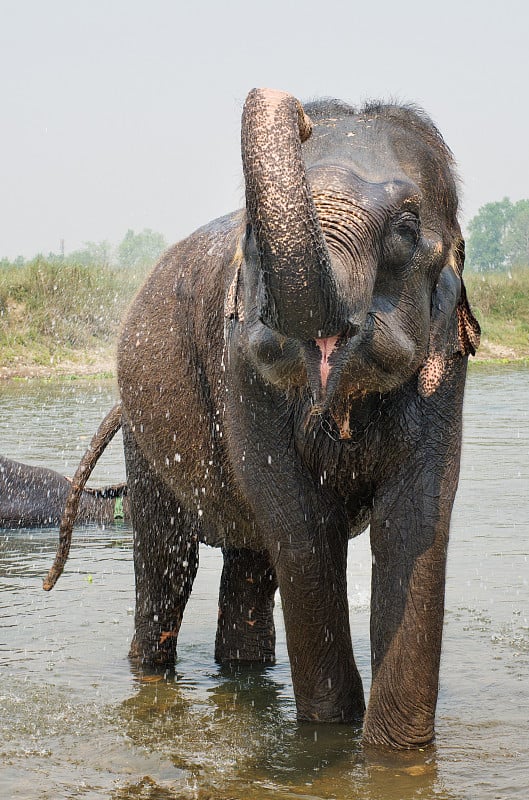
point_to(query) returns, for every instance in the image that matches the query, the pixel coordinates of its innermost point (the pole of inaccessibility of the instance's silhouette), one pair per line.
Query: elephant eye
(403, 235)
(408, 226)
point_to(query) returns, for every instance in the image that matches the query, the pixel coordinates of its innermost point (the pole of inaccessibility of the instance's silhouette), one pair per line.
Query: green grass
(50, 311)
(501, 304)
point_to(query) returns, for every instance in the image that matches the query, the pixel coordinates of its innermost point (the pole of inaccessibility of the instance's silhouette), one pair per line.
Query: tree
(487, 233)
(18, 262)
(517, 236)
(140, 250)
(97, 254)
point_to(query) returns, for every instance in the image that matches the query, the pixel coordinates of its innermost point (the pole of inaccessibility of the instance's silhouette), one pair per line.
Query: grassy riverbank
(501, 304)
(63, 318)
(60, 317)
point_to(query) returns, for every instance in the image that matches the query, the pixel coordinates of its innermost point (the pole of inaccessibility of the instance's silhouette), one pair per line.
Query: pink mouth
(326, 347)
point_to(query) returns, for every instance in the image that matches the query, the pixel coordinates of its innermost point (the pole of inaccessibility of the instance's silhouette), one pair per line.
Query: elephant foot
(251, 646)
(403, 732)
(348, 710)
(159, 652)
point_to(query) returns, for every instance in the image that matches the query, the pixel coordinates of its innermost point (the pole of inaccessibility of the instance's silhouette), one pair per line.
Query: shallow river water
(76, 722)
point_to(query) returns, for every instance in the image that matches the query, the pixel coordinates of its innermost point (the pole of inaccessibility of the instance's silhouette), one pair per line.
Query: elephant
(291, 374)
(35, 496)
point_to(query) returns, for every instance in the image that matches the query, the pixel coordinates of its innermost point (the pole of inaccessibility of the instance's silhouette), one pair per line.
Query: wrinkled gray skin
(290, 375)
(35, 497)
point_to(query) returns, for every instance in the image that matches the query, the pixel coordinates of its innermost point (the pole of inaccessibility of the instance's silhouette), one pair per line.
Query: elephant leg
(165, 560)
(245, 629)
(312, 583)
(409, 539)
(305, 530)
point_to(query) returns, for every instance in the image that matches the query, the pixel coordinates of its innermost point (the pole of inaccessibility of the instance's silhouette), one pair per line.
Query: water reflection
(240, 735)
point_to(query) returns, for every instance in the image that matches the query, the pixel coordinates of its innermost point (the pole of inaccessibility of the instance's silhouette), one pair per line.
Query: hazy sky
(125, 114)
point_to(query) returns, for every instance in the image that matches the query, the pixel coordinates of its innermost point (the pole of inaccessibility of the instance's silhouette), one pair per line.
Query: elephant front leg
(407, 606)
(304, 529)
(245, 630)
(312, 583)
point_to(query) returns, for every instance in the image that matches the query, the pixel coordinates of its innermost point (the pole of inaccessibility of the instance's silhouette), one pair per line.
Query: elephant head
(351, 278)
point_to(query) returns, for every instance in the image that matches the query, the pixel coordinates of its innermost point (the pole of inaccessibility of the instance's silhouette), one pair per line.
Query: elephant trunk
(298, 292)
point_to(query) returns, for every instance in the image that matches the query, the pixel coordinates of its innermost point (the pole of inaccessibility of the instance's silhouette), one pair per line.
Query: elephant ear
(453, 327)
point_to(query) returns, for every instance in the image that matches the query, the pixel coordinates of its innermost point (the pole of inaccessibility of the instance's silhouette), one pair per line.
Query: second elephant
(33, 496)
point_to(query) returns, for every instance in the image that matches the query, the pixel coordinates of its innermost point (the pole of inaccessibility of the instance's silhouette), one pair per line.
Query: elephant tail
(104, 434)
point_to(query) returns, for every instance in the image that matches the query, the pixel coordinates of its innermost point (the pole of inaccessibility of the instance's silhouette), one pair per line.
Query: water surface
(78, 723)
